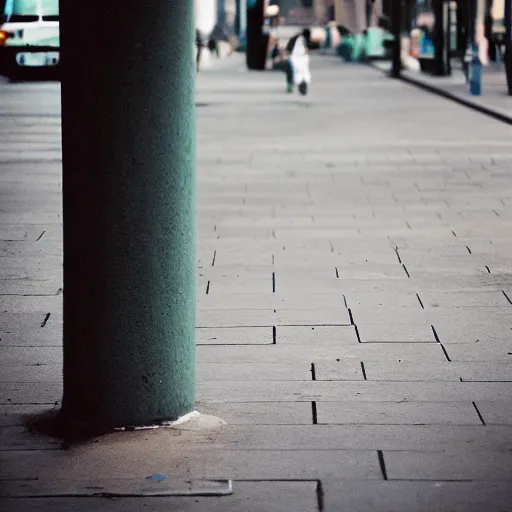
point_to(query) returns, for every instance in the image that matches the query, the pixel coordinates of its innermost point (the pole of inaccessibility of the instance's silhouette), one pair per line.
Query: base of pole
(192, 421)
(55, 424)
(183, 419)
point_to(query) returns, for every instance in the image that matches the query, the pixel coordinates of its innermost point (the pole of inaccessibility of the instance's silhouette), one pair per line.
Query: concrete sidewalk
(354, 307)
(494, 99)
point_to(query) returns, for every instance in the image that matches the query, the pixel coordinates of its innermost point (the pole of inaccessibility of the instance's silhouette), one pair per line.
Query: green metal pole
(128, 129)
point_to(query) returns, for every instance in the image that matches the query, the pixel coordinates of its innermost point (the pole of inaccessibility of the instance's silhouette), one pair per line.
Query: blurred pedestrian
(296, 66)
(220, 34)
(199, 49)
(213, 46)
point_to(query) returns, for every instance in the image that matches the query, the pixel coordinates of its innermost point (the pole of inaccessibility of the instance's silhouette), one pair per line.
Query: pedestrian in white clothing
(296, 66)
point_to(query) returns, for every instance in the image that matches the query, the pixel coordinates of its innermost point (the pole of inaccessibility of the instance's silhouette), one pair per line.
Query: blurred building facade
(210, 12)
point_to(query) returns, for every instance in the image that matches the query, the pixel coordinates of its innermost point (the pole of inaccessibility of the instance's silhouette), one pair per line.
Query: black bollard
(508, 66)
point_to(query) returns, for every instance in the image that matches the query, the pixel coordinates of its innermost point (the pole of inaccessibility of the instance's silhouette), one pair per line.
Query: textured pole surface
(128, 112)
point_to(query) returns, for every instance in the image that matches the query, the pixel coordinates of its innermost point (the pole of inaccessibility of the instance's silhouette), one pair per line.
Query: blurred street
(354, 306)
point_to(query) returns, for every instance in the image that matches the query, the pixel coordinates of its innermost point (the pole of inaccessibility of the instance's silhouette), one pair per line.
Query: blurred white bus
(29, 35)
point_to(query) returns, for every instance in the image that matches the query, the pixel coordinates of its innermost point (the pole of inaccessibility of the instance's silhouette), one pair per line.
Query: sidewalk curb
(467, 102)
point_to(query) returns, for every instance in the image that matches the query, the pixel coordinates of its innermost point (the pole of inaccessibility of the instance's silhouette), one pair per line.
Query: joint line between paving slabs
(46, 318)
(320, 496)
(354, 324)
(357, 334)
(439, 341)
(479, 414)
(363, 370)
(382, 465)
(398, 255)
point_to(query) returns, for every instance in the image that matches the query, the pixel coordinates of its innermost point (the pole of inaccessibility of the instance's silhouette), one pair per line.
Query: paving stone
(235, 318)
(27, 356)
(270, 413)
(365, 391)
(30, 288)
(478, 328)
(310, 301)
(420, 332)
(495, 413)
(362, 301)
(247, 496)
(390, 413)
(50, 338)
(256, 371)
(244, 273)
(296, 464)
(218, 287)
(30, 393)
(464, 299)
(486, 373)
(341, 369)
(305, 317)
(447, 371)
(449, 465)
(235, 336)
(10, 303)
(308, 286)
(318, 335)
(36, 373)
(366, 437)
(17, 415)
(411, 372)
(501, 353)
(13, 438)
(412, 352)
(97, 459)
(249, 301)
(222, 463)
(388, 315)
(369, 271)
(407, 496)
(20, 232)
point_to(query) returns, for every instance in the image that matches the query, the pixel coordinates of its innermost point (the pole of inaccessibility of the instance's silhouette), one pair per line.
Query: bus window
(23, 11)
(50, 8)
